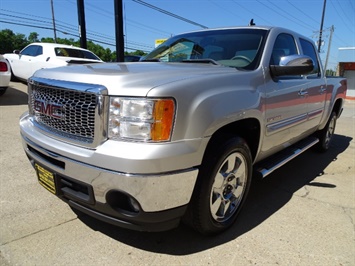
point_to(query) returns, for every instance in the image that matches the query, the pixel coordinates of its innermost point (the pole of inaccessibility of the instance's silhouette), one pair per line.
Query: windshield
(239, 48)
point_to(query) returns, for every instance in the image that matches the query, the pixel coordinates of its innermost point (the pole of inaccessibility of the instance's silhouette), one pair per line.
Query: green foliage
(330, 72)
(137, 52)
(104, 54)
(10, 41)
(33, 37)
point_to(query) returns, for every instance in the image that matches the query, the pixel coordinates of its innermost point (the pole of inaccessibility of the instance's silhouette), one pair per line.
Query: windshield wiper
(151, 60)
(203, 61)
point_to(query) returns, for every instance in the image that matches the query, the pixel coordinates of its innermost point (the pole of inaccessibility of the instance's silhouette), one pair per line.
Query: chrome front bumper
(154, 193)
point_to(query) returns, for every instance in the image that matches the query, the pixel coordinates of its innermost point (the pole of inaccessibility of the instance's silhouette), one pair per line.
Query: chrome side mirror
(293, 65)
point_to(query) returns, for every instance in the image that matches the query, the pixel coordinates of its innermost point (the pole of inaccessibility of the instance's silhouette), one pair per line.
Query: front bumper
(159, 199)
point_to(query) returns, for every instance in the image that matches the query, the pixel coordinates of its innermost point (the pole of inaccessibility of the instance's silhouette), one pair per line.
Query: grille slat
(68, 113)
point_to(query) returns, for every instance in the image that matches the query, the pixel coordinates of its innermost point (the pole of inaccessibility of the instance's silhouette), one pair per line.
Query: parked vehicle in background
(47, 55)
(132, 58)
(5, 75)
(179, 134)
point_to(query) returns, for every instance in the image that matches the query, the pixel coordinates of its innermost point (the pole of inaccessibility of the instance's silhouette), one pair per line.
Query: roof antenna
(251, 23)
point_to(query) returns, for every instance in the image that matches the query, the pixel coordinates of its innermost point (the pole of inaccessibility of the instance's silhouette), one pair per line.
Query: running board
(269, 165)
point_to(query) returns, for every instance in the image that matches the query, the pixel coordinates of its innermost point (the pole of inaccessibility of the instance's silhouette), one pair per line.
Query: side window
(39, 50)
(32, 50)
(284, 45)
(308, 49)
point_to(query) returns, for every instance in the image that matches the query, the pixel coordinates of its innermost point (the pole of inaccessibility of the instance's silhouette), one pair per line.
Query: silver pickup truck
(179, 135)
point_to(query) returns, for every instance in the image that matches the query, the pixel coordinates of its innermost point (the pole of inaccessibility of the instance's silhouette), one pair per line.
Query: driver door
(286, 104)
(27, 57)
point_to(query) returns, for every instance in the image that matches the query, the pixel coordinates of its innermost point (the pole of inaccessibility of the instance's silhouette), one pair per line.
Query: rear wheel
(326, 134)
(223, 183)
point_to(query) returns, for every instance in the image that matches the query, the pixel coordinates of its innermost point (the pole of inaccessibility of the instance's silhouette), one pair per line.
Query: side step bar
(269, 165)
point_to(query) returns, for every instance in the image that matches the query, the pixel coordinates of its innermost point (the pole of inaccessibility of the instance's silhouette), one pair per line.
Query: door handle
(302, 93)
(322, 90)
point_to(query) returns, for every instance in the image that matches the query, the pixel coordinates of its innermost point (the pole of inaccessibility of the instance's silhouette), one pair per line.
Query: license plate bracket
(46, 178)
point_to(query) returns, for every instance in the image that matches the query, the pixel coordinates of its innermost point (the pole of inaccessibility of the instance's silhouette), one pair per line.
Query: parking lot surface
(302, 214)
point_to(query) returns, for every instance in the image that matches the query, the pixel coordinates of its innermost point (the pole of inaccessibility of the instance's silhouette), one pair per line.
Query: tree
(138, 52)
(10, 41)
(104, 54)
(33, 37)
(330, 72)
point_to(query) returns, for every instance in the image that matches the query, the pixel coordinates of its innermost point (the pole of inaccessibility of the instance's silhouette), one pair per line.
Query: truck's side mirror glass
(293, 65)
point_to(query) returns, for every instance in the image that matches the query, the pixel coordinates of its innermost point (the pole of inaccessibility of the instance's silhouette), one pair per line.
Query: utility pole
(82, 27)
(330, 43)
(119, 31)
(321, 27)
(54, 29)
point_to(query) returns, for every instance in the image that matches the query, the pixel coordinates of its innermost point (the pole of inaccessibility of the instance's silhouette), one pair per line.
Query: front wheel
(222, 186)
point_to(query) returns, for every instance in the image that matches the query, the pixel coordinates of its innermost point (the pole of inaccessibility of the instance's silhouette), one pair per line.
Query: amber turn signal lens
(163, 115)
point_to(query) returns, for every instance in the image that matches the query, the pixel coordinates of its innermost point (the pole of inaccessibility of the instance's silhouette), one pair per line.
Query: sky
(144, 25)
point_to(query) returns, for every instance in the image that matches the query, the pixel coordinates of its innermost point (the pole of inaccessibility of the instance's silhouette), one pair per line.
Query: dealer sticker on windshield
(45, 178)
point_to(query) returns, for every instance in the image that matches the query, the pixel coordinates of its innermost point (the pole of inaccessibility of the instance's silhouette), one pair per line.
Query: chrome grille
(68, 113)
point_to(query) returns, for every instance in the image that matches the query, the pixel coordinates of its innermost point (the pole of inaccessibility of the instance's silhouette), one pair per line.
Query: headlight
(141, 119)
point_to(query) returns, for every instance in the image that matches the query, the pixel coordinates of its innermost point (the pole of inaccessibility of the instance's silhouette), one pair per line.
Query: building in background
(346, 68)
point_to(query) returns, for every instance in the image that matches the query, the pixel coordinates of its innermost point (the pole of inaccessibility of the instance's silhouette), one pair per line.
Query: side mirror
(16, 51)
(293, 65)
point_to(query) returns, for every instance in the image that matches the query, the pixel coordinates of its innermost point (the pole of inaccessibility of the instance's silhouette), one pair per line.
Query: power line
(345, 14)
(72, 34)
(169, 13)
(255, 14)
(281, 14)
(302, 11)
(69, 27)
(41, 23)
(341, 17)
(352, 6)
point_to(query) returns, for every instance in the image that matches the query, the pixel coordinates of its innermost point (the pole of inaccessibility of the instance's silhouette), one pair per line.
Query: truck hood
(133, 79)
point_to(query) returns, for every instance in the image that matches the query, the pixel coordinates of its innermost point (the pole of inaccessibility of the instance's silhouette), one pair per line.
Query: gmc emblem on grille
(50, 109)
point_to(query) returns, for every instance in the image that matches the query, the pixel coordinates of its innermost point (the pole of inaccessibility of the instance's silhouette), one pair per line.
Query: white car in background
(5, 75)
(36, 56)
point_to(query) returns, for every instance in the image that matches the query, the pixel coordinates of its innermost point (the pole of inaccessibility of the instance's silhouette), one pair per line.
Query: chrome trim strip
(272, 128)
(69, 85)
(315, 113)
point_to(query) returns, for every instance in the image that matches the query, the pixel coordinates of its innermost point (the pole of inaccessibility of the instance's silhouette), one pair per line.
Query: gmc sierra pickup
(179, 135)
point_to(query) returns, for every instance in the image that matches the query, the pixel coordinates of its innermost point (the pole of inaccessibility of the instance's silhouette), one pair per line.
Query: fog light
(122, 202)
(134, 204)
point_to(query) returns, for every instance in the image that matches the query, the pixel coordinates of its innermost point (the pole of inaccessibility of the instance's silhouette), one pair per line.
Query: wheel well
(337, 106)
(248, 129)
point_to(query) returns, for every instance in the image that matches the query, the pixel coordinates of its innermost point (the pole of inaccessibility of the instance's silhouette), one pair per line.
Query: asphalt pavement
(302, 214)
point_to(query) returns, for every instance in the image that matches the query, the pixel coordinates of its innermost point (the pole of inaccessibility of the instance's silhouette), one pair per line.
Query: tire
(13, 77)
(2, 91)
(222, 186)
(326, 134)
